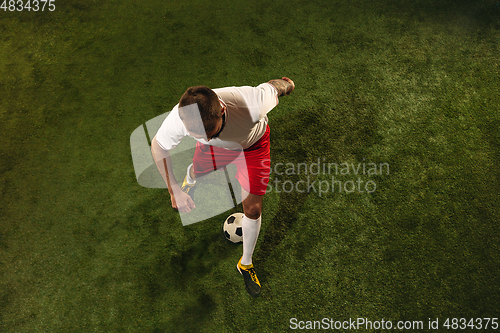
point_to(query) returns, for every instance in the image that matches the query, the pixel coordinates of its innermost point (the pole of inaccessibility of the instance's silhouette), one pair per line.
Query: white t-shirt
(246, 118)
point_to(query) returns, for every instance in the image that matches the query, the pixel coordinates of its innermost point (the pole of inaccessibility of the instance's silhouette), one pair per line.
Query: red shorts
(253, 163)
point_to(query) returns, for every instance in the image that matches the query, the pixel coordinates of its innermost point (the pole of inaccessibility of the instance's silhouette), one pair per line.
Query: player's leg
(190, 177)
(188, 185)
(251, 222)
(254, 185)
(206, 159)
(191, 174)
(252, 208)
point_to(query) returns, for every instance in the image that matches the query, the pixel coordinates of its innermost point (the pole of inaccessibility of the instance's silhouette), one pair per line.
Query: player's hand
(290, 81)
(182, 201)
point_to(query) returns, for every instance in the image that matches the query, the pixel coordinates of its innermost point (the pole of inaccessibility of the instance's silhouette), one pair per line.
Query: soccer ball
(232, 228)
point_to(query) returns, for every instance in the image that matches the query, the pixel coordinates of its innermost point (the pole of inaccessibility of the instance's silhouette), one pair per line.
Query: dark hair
(208, 107)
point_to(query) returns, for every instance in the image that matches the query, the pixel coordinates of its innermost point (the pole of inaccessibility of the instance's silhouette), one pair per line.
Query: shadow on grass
(181, 253)
(194, 315)
(321, 132)
(172, 261)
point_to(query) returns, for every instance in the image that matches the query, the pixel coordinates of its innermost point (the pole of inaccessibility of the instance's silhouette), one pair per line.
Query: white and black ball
(232, 228)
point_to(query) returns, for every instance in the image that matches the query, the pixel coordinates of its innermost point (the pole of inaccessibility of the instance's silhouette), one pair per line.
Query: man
(225, 122)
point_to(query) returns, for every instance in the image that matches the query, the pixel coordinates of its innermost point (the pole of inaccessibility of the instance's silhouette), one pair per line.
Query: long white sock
(190, 180)
(250, 230)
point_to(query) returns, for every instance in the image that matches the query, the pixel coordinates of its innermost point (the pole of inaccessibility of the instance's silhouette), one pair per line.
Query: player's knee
(253, 212)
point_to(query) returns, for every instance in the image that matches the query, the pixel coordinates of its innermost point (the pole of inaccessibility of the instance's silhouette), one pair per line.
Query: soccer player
(225, 122)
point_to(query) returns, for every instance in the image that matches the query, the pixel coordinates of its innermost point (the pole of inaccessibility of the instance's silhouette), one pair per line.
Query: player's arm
(284, 86)
(180, 200)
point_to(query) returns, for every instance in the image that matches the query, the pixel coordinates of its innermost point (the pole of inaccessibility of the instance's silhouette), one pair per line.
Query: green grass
(84, 248)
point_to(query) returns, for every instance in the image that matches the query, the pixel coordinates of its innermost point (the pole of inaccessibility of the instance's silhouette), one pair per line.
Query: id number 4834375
(29, 5)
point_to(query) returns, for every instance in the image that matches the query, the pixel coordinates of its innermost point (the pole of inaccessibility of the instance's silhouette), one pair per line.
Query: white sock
(250, 230)
(190, 180)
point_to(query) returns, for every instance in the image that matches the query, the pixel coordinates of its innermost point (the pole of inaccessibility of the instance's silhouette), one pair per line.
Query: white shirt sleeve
(259, 100)
(267, 95)
(171, 131)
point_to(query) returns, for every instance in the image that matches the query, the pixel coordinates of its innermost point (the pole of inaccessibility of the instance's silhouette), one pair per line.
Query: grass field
(413, 84)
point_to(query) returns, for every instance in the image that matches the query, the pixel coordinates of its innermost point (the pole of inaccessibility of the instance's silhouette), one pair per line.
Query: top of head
(199, 109)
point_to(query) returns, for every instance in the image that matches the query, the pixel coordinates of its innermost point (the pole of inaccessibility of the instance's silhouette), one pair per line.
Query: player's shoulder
(173, 115)
(173, 121)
